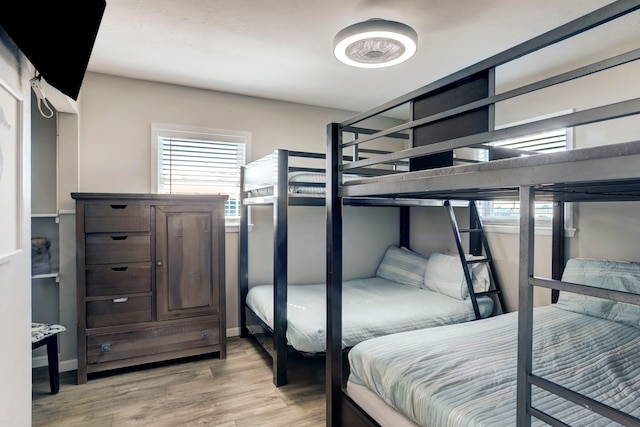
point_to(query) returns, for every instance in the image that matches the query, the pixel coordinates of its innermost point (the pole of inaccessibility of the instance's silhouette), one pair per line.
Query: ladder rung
(493, 292)
(477, 261)
(470, 230)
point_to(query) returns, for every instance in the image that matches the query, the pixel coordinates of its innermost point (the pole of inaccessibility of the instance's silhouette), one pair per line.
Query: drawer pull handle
(118, 206)
(118, 300)
(119, 237)
(119, 268)
(205, 334)
(105, 347)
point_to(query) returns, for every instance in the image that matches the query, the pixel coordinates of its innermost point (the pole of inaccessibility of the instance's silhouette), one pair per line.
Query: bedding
(297, 181)
(371, 307)
(616, 275)
(402, 265)
(444, 274)
(465, 374)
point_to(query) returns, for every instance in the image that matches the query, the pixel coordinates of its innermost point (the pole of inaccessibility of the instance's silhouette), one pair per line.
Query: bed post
(405, 226)
(334, 277)
(557, 246)
(243, 256)
(525, 305)
(280, 279)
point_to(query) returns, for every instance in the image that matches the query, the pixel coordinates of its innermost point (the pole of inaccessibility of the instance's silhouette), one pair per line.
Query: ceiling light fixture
(375, 43)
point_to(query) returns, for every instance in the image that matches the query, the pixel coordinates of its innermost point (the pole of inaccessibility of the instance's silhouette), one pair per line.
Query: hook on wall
(38, 90)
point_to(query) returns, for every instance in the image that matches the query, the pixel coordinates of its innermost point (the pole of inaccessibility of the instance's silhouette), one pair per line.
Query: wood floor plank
(201, 391)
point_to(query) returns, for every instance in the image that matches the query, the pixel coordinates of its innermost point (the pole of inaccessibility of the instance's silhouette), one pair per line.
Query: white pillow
(402, 265)
(444, 274)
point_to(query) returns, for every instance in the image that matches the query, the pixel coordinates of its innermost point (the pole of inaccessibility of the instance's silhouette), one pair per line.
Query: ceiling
(282, 49)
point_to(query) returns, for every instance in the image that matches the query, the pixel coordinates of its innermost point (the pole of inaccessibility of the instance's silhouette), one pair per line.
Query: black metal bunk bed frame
(265, 174)
(606, 173)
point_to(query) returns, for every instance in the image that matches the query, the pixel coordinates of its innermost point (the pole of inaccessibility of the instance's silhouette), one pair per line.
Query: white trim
(63, 365)
(233, 332)
(5, 258)
(175, 130)
(514, 229)
(18, 162)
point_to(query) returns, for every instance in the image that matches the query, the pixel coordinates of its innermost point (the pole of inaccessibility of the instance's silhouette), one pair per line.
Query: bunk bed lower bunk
(459, 111)
(284, 317)
(465, 375)
(397, 299)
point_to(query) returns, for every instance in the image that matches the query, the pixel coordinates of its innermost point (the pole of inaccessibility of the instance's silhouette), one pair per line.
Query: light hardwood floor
(235, 392)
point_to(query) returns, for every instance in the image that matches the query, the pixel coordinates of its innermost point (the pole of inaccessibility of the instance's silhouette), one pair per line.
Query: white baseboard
(63, 365)
(72, 365)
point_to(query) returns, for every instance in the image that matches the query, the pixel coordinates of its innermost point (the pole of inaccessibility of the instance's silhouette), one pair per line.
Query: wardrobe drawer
(101, 281)
(117, 249)
(160, 339)
(118, 311)
(116, 217)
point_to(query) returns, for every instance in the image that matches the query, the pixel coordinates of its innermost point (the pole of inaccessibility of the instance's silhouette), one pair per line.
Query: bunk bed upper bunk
(458, 112)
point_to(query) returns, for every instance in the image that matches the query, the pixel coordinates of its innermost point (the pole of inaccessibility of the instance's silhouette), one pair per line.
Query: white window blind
(545, 142)
(201, 163)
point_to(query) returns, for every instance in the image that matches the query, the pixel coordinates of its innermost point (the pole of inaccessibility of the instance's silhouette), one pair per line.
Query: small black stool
(47, 333)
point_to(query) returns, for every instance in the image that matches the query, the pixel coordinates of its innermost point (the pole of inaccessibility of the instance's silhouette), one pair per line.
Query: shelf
(54, 274)
(53, 215)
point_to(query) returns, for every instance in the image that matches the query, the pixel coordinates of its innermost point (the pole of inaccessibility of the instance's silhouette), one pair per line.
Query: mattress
(465, 374)
(371, 307)
(299, 184)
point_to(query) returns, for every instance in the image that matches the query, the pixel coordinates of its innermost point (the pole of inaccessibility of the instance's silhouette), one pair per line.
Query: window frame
(542, 227)
(168, 130)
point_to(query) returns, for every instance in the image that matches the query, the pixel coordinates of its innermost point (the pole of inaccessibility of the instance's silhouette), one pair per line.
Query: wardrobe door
(187, 261)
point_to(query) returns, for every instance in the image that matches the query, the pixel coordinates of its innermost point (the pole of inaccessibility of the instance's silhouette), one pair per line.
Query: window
(200, 161)
(497, 212)
(508, 212)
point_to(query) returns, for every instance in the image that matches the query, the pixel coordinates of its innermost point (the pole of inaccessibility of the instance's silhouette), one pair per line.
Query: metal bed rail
(527, 281)
(601, 113)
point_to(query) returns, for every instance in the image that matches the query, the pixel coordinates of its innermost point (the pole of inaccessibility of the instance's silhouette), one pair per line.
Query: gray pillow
(607, 274)
(402, 265)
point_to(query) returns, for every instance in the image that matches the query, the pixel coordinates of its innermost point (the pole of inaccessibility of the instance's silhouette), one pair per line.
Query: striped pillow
(606, 274)
(401, 265)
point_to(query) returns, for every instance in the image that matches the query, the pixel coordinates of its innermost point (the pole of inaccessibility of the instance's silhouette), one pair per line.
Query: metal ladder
(477, 246)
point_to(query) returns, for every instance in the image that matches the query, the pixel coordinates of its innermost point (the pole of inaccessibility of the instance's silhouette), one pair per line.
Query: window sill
(234, 227)
(514, 229)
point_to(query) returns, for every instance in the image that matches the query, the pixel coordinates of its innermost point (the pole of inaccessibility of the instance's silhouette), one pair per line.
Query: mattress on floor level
(371, 307)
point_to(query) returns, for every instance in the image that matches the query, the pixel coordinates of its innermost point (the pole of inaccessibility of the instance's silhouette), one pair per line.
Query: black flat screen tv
(57, 37)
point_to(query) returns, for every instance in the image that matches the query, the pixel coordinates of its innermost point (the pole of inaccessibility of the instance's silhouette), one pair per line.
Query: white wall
(116, 116)
(368, 231)
(15, 273)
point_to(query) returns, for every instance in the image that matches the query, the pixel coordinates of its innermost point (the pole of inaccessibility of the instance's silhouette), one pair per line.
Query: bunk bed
(459, 111)
(459, 291)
